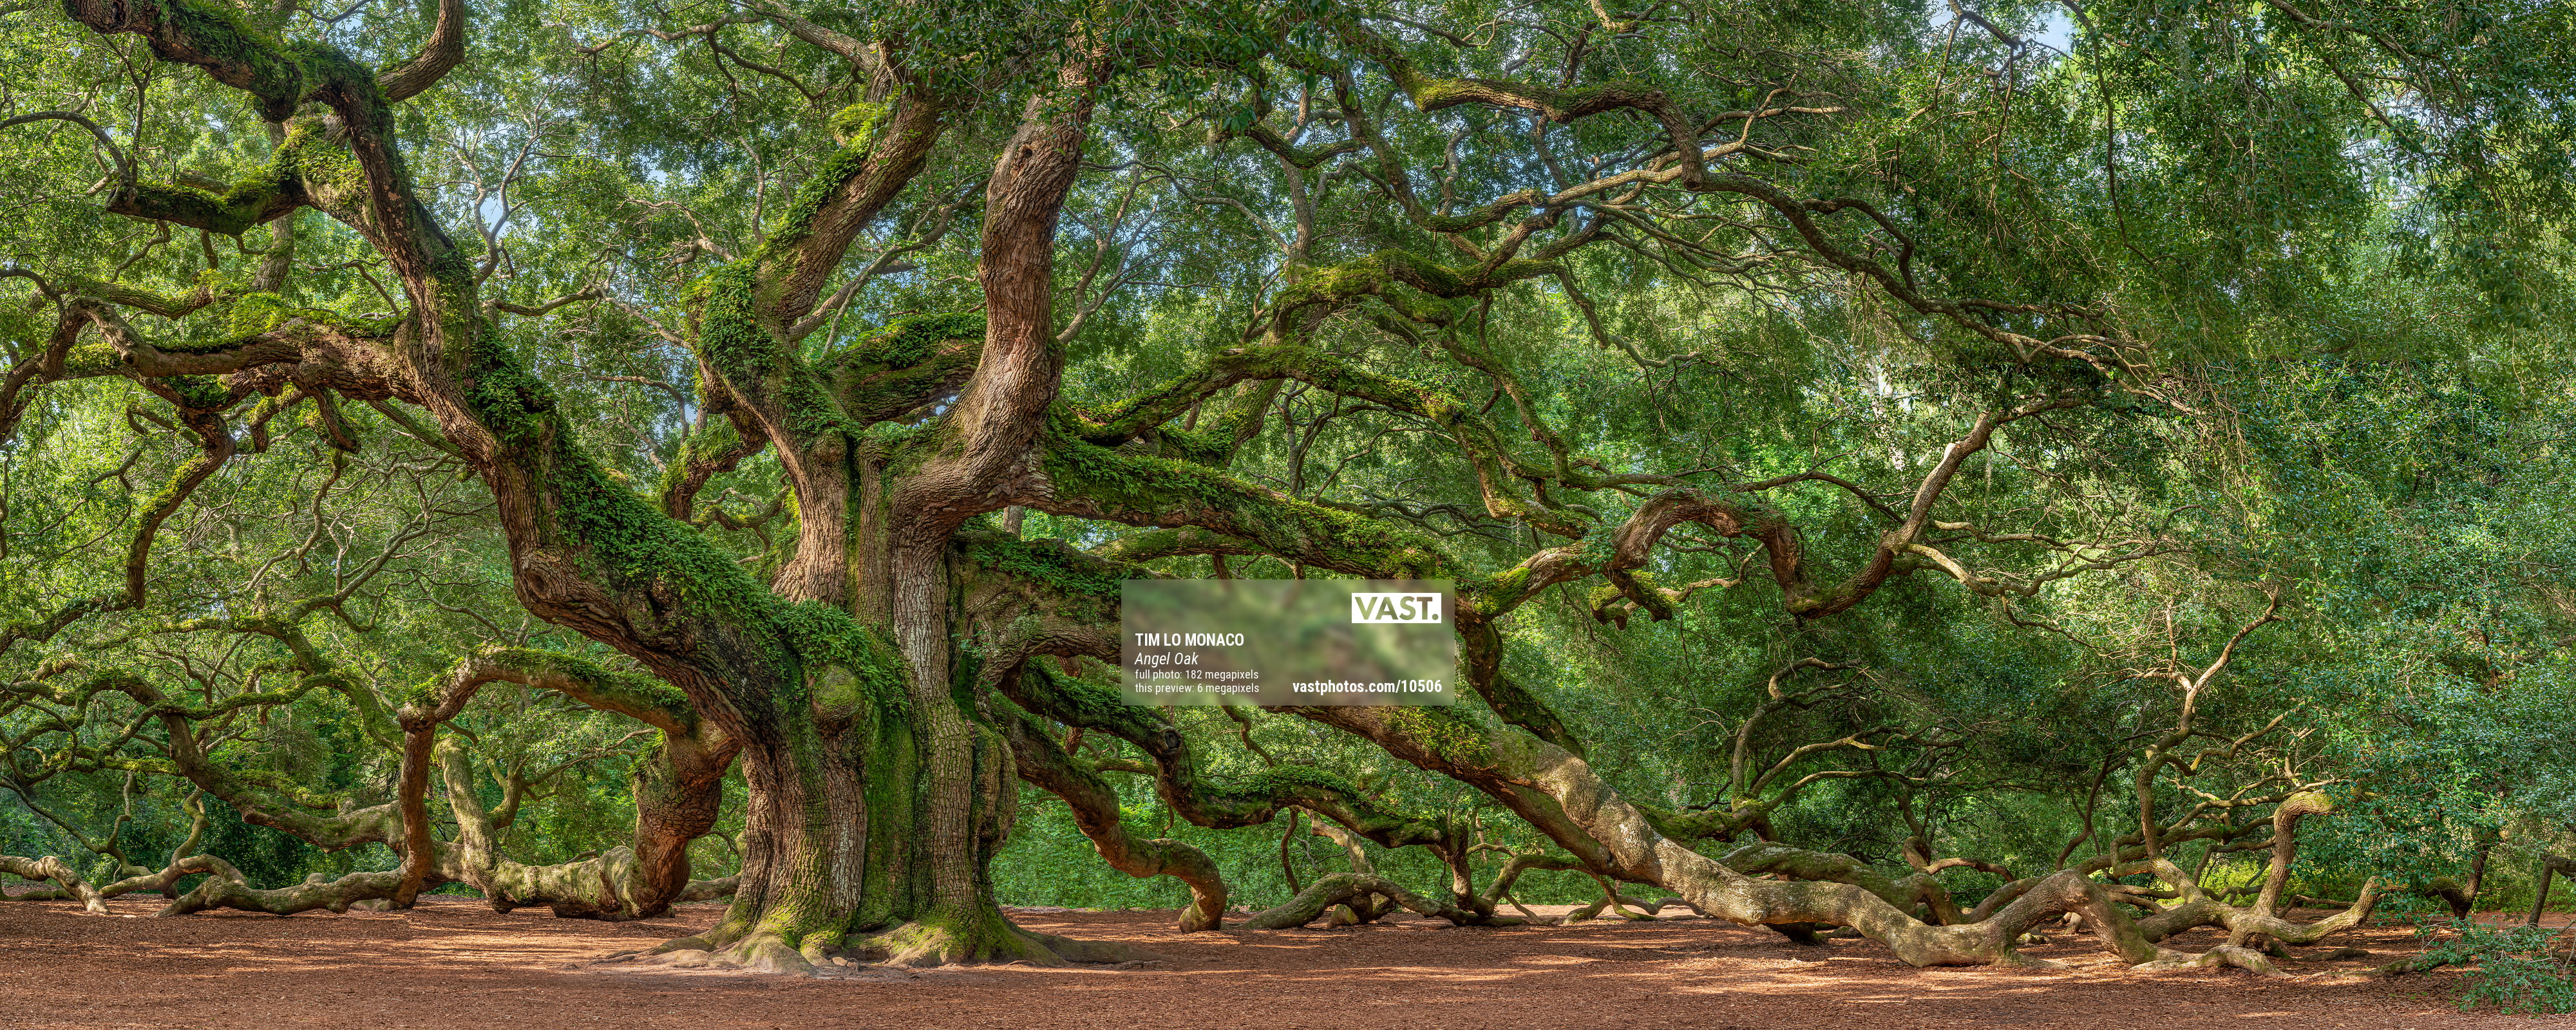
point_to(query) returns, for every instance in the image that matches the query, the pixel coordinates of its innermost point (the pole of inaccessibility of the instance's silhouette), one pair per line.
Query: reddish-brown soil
(452, 963)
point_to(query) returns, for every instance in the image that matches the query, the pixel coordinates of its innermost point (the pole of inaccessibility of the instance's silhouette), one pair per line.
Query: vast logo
(1395, 607)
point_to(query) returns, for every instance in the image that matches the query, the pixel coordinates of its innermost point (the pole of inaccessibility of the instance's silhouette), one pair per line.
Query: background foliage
(2359, 404)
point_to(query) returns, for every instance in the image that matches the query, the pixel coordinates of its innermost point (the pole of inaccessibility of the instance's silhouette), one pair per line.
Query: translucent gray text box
(1289, 642)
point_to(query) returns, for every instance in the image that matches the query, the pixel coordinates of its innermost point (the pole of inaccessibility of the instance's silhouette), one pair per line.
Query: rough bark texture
(878, 793)
(854, 686)
(1343, 888)
(51, 868)
(224, 887)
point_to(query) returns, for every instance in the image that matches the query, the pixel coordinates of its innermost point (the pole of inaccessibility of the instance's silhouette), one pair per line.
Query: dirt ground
(452, 963)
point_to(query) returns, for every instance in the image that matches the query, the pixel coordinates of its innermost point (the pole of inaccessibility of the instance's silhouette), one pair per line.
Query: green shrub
(2520, 968)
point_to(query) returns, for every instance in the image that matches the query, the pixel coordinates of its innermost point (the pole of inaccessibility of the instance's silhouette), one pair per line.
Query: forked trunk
(876, 811)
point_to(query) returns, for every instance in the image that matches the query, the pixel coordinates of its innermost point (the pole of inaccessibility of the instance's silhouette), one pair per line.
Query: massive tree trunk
(874, 825)
(878, 793)
(874, 822)
(853, 684)
(876, 809)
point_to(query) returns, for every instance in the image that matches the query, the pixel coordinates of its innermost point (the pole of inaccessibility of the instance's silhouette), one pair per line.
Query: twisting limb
(1204, 799)
(163, 880)
(1557, 793)
(2545, 870)
(677, 789)
(51, 868)
(439, 54)
(116, 154)
(224, 887)
(1344, 888)
(1043, 620)
(1045, 765)
(2160, 753)
(2285, 850)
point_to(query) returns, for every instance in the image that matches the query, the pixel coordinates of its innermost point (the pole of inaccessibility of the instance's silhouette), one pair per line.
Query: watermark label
(1387, 608)
(1287, 642)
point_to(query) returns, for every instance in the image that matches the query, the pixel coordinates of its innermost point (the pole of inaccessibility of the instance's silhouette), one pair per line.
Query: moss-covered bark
(878, 794)
(48, 867)
(852, 685)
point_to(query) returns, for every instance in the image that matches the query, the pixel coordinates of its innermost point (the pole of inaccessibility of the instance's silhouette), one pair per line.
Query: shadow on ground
(452, 963)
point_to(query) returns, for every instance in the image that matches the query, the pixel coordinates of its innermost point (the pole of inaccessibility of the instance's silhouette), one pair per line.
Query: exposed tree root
(1344, 888)
(2196, 908)
(678, 789)
(608, 886)
(1921, 888)
(2410, 965)
(909, 946)
(60, 872)
(2224, 955)
(1621, 904)
(707, 890)
(224, 887)
(940, 944)
(1091, 952)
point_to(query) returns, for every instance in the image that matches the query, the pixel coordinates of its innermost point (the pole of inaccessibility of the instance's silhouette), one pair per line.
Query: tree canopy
(1915, 468)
